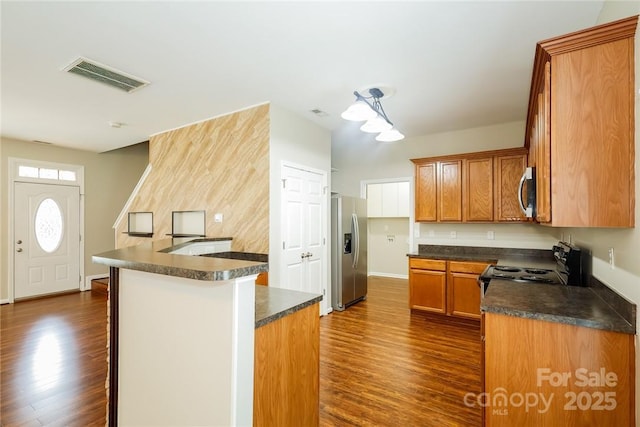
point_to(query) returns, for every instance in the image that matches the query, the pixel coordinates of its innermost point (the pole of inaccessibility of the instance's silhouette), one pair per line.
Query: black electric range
(568, 270)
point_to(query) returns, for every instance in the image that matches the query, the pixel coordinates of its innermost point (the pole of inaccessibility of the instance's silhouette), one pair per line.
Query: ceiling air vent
(107, 75)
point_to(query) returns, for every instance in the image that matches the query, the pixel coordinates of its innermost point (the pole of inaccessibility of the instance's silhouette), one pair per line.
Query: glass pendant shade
(390, 135)
(359, 111)
(376, 125)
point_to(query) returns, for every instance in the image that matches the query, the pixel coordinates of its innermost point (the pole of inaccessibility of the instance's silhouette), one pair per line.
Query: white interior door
(47, 239)
(304, 248)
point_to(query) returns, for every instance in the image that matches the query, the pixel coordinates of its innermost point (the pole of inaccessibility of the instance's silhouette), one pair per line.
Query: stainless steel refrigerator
(348, 251)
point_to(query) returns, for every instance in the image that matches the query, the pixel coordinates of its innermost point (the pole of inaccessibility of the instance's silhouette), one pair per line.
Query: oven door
(527, 192)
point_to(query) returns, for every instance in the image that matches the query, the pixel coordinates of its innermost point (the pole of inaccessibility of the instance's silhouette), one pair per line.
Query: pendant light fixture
(370, 109)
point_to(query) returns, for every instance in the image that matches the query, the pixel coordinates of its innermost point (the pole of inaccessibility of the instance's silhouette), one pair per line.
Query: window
(48, 225)
(47, 173)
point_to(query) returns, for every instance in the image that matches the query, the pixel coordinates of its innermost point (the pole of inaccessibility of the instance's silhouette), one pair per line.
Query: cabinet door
(390, 199)
(509, 169)
(543, 151)
(464, 295)
(478, 189)
(592, 147)
(450, 191)
(403, 199)
(426, 193)
(374, 200)
(427, 290)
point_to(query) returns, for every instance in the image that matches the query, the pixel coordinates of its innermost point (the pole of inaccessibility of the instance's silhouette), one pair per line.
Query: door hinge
(324, 241)
(284, 183)
(283, 245)
(324, 292)
(324, 190)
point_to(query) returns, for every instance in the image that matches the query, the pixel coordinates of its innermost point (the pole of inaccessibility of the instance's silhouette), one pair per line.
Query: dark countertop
(574, 305)
(275, 303)
(594, 306)
(152, 257)
(538, 258)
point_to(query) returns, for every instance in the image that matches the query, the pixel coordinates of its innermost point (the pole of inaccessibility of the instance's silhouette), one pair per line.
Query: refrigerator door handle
(355, 239)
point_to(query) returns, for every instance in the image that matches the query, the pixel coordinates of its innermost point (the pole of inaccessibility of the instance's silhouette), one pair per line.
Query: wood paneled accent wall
(220, 166)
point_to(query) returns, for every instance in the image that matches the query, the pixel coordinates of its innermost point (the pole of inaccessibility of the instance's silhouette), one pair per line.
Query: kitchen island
(182, 330)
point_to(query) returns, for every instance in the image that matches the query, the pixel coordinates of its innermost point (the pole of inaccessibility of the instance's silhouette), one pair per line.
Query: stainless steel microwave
(527, 192)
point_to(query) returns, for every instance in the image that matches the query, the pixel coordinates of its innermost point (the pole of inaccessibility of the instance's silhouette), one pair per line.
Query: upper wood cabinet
(472, 187)
(426, 193)
(580, 127)
(509, 169)
(478, 195)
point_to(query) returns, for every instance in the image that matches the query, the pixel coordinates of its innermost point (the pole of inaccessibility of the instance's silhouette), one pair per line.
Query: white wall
(302, 142)
(387, 247)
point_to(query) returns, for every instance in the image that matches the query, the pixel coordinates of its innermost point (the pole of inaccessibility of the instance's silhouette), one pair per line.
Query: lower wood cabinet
(286, 386)
(446, 287)
(539, 373)
(428, 285)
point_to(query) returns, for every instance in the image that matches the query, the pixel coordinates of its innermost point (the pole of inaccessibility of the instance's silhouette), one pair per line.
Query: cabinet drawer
(427, 264)
(468, 267)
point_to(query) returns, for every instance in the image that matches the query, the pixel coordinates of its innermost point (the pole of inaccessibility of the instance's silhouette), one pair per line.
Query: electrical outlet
(217, 217)
(612, 262)
(452, 234)
(490, 235)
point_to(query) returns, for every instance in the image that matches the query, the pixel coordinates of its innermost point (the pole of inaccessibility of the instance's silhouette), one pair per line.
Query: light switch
(217, 217)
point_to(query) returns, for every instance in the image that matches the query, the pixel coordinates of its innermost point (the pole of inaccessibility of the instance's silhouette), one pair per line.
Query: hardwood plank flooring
(53, 361)
(381, 365)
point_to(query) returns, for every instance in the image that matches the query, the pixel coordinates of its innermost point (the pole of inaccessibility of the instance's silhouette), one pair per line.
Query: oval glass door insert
(48, 225)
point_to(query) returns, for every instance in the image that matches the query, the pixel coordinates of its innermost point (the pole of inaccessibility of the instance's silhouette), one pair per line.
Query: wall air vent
(107, 75)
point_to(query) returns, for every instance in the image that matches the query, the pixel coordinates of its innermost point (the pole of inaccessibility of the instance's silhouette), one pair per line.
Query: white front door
(47, 239)
(304, 258)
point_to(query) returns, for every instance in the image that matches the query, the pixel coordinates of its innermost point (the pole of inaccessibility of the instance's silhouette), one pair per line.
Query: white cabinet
(388, 200)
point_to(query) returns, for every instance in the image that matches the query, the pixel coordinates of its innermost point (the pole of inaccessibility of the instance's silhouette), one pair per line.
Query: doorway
(46, 252)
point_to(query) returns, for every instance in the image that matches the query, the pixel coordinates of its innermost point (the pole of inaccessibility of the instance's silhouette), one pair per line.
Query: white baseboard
(88, 279)
(391, 275)
(4, 301)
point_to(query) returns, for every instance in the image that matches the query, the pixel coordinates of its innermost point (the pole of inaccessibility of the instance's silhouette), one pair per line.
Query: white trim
(210, 118)
(4, 301)
(391, 275)
(12, 172)
(325, 305)
(133, 194)
(88, 279)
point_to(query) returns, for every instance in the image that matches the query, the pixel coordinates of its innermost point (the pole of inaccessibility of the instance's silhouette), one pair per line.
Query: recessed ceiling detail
(104, 74)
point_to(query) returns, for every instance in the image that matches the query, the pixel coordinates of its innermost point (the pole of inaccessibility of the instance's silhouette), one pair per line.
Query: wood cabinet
(580, 127)
(472, 187)
(463, 292)
(478, 195)
(428, 285)
(439, 191)
(586, 376)
(445, 287)
(286, 370)
(509, 169)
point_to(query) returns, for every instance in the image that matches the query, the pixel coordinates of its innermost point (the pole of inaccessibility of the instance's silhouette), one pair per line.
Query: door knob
(19, 250)
(19, 242)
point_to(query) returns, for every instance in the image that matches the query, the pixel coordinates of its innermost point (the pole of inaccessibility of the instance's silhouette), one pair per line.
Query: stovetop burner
(506, 269)
(521, 274)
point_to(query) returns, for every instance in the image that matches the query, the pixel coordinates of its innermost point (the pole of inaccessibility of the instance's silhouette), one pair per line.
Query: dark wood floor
(53, 361)
(380, 365)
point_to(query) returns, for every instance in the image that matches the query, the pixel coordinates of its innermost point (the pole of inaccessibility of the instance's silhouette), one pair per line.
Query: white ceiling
(454, 65)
